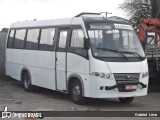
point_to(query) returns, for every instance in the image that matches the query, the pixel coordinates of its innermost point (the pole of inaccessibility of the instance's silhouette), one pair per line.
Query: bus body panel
(78, 66)
(61, 70)
(41, 65)
(115, 67)
(95, 92)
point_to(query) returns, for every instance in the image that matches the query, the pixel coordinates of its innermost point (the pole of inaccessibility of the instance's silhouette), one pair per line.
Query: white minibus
(87, 56)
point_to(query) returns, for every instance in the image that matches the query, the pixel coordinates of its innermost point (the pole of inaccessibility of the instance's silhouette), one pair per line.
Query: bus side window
(77, 42)
(19, 38)
(77, 39)
(47, 38)
(62, 39)
(11, 39)
(32, 39)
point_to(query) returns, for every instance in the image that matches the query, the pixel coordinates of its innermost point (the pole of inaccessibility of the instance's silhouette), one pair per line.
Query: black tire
(126, 100)
(76, 93)
(26, 79)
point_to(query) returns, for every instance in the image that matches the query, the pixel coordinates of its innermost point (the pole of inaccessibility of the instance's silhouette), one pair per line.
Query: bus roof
(37, 23)
(66, 21)
(103, 19)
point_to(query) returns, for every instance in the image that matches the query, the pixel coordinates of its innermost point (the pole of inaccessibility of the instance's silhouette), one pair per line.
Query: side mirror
(86, 43)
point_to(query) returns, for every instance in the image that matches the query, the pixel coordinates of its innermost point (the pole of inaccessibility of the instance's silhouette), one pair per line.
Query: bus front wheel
(76, 93)
(27, 82)
(126, 100)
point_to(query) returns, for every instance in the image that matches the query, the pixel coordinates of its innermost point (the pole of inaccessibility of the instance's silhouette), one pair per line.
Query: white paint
(61, 70)
(41, 65)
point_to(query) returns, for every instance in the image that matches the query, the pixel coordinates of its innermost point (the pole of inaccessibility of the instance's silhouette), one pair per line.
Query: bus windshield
(114, 40)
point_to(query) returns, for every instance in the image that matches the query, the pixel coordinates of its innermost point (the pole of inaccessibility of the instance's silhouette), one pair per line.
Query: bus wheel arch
(26, 79)
(75, 82)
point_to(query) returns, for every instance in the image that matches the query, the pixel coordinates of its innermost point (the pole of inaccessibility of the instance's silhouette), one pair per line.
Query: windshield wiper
(119, 52)
(134, 53)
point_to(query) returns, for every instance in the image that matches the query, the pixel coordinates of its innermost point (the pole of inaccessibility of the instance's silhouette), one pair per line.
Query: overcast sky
(20, 10)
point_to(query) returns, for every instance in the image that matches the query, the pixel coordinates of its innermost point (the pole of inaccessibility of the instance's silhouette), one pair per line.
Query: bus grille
(125, 78)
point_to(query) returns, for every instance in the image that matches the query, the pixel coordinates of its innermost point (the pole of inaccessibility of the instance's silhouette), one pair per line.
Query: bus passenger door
(61, 67)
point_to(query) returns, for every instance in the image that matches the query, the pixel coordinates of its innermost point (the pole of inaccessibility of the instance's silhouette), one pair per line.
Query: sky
(21, 10)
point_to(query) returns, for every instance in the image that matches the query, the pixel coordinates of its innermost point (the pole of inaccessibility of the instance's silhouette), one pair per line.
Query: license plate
(130, 87)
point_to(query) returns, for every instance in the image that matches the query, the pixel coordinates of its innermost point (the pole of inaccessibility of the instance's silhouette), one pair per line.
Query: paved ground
(15, 98)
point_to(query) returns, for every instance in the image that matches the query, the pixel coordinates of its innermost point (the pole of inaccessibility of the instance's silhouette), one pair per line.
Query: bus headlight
(102, 75)
(145, 74)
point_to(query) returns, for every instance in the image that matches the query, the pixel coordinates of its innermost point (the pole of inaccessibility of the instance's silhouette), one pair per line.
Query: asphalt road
(15, 98)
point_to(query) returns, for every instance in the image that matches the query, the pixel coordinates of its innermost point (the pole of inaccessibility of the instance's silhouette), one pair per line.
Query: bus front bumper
(125, 83)
(102, 88)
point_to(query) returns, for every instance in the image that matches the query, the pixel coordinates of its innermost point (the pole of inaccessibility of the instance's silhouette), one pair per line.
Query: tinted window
(32, 39)
(47, 38)
(62, 39)
(77, 39)
(10, 39)
(19, 38)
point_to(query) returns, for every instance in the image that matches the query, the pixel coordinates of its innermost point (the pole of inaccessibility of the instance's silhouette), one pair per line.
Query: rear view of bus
(84, 56)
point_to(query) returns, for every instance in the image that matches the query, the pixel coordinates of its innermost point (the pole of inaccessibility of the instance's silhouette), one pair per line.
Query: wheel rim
(26, 82)
(76, 92)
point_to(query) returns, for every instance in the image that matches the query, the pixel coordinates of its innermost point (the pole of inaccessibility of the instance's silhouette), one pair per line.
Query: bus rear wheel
(76, 93)
(126, 99)
(27, 82)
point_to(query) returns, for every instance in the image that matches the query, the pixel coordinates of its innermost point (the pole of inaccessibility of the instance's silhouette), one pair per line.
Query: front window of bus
(114, 41)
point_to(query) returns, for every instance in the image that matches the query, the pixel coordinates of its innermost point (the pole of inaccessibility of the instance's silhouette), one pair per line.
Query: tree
(136, 9)
(4, 30)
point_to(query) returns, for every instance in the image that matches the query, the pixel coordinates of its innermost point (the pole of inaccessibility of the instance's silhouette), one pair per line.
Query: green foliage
(136, 9)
